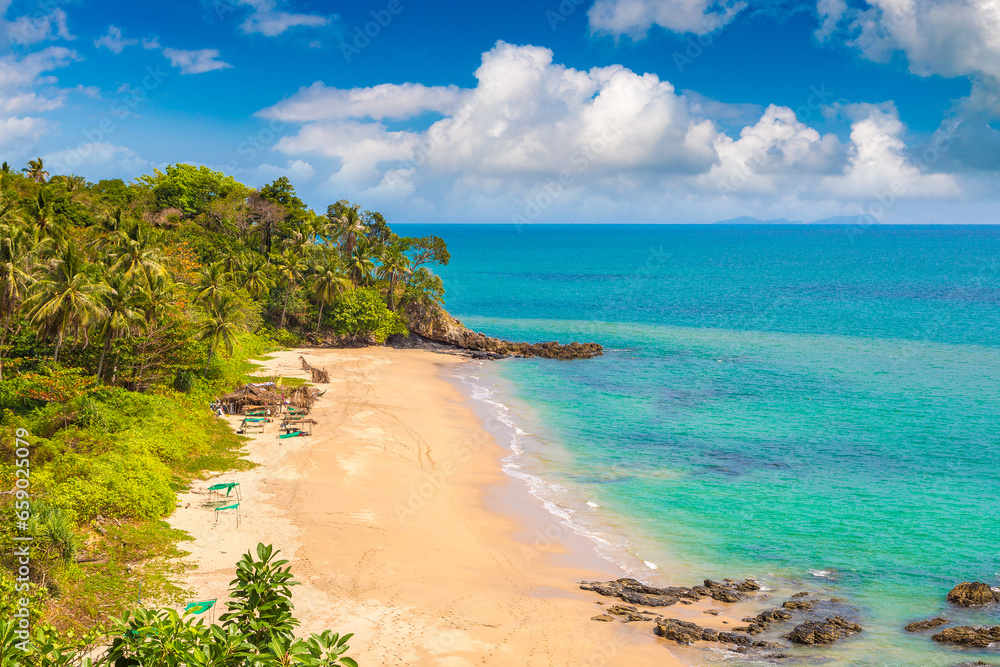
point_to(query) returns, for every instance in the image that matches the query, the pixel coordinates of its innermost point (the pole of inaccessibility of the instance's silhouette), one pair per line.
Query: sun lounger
(234, 506)
(228, 486)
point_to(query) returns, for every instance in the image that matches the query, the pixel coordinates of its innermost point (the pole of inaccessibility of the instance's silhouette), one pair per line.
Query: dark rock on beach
(631, 590)
(433, 323)
(920, 626)
(972, 594)
(822, 632)
(966, 635)
(636, 592)
(764, 620)
(686, 632)
(802, 605)
(682, 632)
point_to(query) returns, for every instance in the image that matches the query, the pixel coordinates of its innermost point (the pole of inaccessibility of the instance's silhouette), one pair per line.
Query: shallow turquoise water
(816, 407)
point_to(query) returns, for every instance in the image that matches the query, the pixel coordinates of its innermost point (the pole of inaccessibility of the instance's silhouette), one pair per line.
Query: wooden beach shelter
(253, 399)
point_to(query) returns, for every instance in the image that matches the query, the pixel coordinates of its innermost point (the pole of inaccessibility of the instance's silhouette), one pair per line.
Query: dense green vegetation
(124, 307)
(257, 630)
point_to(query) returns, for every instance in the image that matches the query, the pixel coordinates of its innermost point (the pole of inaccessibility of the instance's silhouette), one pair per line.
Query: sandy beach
(383, 514)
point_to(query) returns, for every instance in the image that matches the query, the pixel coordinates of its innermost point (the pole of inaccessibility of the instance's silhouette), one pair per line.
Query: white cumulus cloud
(537, 140)
(113, 40)
(636, 17)
(387, 100)
(197, 61)
(267, 20)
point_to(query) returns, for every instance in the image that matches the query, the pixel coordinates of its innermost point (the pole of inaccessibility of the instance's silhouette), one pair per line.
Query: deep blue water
(813, 406)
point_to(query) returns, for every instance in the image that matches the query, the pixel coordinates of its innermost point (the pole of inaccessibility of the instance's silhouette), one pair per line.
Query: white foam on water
(651, 566)
(825, 574)
(614, 548)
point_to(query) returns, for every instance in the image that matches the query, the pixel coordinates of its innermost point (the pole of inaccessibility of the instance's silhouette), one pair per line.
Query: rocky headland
(432, 326)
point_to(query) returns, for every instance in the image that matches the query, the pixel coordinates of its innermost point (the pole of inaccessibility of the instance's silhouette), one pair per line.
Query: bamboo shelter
(263, 398)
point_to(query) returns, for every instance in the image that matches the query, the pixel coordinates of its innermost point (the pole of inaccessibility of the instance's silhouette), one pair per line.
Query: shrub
(183, 381)
(362, 312)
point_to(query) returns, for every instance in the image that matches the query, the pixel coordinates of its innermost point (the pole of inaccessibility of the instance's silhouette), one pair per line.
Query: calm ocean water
(816, 407)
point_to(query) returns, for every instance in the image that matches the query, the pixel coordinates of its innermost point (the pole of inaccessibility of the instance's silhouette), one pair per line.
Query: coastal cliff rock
(972, 594)
(434, 323)
(636, 592)
(822, 632)
(966, 635)
(920, 626)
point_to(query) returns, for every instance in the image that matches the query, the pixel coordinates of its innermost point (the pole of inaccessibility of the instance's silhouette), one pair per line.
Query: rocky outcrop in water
(966, 635)
(972, 594)
(636, 592)
(822, 632)
(433, 323)
(920, 626)
(763, 621)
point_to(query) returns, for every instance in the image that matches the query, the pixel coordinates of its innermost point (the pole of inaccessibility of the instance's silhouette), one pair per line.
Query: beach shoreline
(401, 526)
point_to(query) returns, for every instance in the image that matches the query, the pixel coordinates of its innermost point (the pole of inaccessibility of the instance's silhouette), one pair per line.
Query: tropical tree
(121, 312)
(38, 212)
(394, 264)
(221, 327)
(360, 265)
(350, 227)
(69, 301)
(36, 170)
(253, 275)
(15, 261)
(135, 251)
(328, 282)
(113, 220)
(290, 271)
(213, 282)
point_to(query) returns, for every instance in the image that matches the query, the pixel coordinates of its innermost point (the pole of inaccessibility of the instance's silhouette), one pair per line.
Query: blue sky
(547, 111)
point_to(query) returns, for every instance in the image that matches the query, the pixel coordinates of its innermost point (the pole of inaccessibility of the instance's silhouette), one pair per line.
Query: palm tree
(360, 265)
(69, 301)
(290, 270)
(328, 282)
(113, 220)
(212, 283)
(38, 212)
(220, 327)
(350, 226)
(121, 313)
(36, 171)
(253, 275)
(136, 253)
(394, 265)
(157, 298)
(15, 262)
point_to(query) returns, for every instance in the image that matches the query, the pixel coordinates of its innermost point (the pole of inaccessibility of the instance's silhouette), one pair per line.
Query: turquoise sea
(816, 407)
